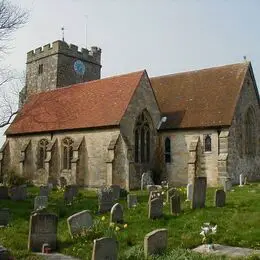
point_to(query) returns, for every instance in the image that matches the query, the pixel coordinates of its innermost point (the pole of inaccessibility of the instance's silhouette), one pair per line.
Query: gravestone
(220, 198)
(227, 184)
(42, 229)
(105, 200)
(155, 242)
(170, 193)
(164, 184)
(4, 193)
(155, 208)
(63, 182)
(40, 202)
(146, 179)
(116, 191)
(117, 214)
(199, 192)
(18, 192)
(79, 222)
(44, 191)
(104, 248)
(70, 192)
(189, 192)
(4, 217)
(4, 253)
(50, 186)
(241, 180)
(245, 180)
(155, 194)
(153, 188)
(175, 204)
(131, 200)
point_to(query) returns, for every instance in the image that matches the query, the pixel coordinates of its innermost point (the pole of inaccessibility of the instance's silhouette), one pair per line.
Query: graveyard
(237, 221)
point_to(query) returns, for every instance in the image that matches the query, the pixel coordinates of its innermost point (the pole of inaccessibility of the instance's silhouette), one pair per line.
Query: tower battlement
(93, 55)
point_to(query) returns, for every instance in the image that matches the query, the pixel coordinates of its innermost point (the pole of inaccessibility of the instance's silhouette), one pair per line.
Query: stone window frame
(40, 69)
(67, 153)
(42, 152)
(207, 143)
(250, 135)
(167, 150)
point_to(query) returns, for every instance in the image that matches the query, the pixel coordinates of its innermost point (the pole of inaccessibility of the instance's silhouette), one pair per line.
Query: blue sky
(161, 36)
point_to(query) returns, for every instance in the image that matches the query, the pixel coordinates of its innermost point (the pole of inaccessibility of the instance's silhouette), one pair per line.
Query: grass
(238, 225)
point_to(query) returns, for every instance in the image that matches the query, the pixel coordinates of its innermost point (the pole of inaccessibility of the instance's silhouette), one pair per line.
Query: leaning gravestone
(105, 200)
(175, 204)
(40, 202)
(220, 198)
(155, 242)
(79, 222)
(117, 214)
(4, 253)
(4, 217)
(146, 179)
(42, 229)
(131, 200)
(4, 193)
(116, 191)
(199, 192)
(155, 208)
(18, 192)
(44, 191)
(104, 248)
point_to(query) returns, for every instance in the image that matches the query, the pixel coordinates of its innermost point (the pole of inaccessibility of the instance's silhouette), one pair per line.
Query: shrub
(123, 193)
(13, 179)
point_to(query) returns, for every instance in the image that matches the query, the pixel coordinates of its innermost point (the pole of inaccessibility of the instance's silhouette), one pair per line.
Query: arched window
(250, 132)
(207, 144)
(142, 139)
(167, 150)
(67, 153)
(42, 152)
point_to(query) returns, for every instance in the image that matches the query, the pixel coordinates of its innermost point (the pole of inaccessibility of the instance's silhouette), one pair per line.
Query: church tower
(58, 65)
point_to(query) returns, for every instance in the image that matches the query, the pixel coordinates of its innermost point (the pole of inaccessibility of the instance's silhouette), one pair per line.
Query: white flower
(214, 229)
(202, 233)
(162, 192)
(205, 229)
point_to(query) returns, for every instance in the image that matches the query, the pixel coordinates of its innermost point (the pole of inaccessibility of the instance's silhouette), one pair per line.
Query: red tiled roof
(91, 104)
(202, 98)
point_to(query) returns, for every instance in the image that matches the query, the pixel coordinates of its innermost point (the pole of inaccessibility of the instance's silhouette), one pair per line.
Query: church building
(75, 128)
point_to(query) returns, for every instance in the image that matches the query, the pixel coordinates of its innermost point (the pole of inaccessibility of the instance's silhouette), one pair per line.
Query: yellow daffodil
(103, 218)
(112, 224)
(125, 225)
(117, 228)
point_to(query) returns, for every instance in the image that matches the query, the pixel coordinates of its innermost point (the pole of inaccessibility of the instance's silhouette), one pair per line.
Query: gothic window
(142, 139)
(67, 153)
(167, 150)
(40, 69)
(42, 148)
(207, 143)
(250, 132)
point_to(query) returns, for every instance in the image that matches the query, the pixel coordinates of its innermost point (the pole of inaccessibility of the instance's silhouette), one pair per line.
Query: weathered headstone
(4, 217)
(70, 192)
(220, 198)
(165, 184)
(42, 229)
(50, 186)
(4, 253)
(155, 208)
(44, 191)
(227, 184)
(241, 180)
(146, 179)
(199, 192)
(117, 214)
(4, 193)
(131, 200)
(104, 248)
(105, 200)
(40, 202)
(170, 192)
(175, 204)
(116, 191)
(153, 188)
(18, 192)
(245, 180)
(79, 222)
(189, 192)
(155, 194)
(155, 242)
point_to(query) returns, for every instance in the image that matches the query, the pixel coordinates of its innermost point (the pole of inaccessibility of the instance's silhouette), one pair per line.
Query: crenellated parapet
(61, 47)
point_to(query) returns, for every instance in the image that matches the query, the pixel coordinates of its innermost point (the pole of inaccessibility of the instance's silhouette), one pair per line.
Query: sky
(161, 36)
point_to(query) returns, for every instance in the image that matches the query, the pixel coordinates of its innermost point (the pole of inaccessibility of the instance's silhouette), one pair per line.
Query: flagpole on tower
(86, 31)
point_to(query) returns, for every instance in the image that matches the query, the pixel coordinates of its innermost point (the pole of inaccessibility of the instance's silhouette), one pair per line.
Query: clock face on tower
(79, 67)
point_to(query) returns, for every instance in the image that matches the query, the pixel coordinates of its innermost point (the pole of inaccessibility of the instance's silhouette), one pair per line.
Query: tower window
(40, 69)
(167, 150)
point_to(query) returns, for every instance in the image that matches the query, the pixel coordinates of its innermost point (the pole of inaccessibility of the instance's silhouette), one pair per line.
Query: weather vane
(62, 29)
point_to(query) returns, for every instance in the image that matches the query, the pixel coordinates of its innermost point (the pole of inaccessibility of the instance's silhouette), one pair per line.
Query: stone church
(76, 128)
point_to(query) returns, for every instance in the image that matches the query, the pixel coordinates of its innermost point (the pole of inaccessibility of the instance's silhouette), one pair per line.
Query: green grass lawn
(238, 224)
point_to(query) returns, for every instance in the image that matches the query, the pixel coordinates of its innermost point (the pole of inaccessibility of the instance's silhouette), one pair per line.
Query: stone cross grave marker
(44, 191)
(220, 198)
(146, 179)
(116, 191)
(155, 242)
(155, 208)
(170, 193)
(105, 200)
(199, 192)
(42, 229)
(104, 248)
(4, 193)
(117, 214)
(18, 192)
(189, 192)
(4, 217)
(40, 202)
(79, 222)
(131, 200)
(175, 204)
